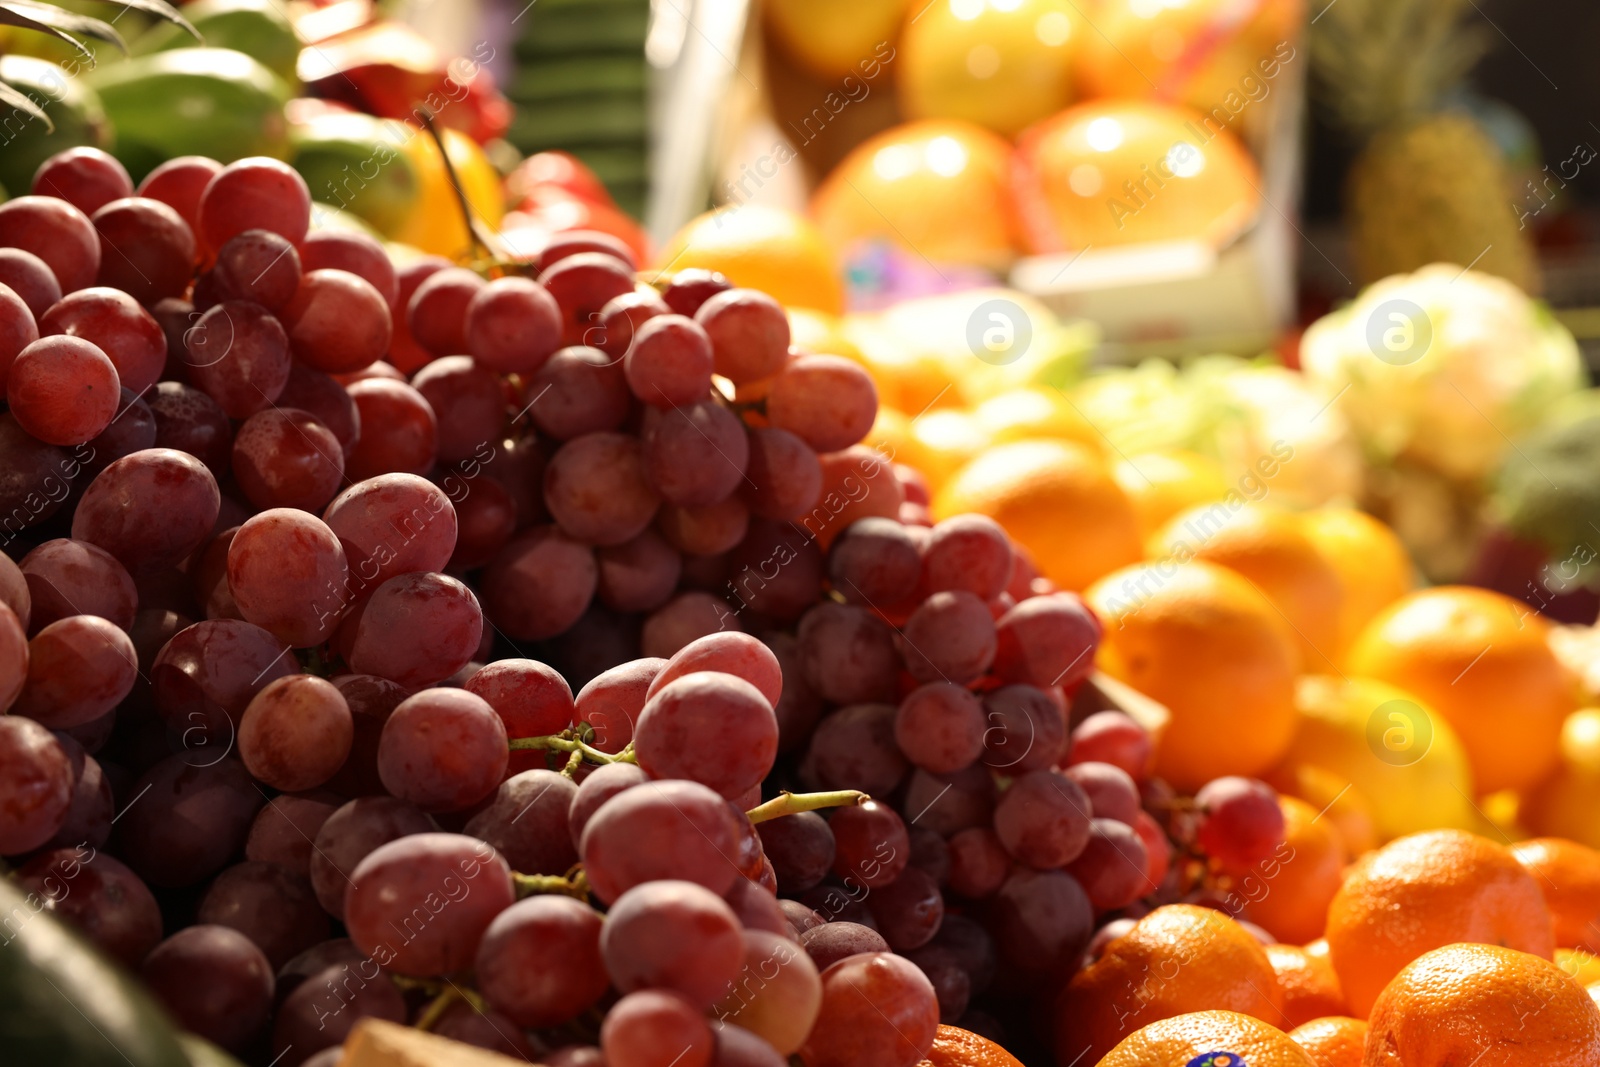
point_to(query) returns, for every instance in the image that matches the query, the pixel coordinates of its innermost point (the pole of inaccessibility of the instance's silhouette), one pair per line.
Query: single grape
(424, 902)
(940, 727)
(348, 250)
(620, 320)
(979, 862)
(1043, 819)
(709, 727)
(442, 750)
(597, 491)
(404, 351)
(531, 698)
(65, 577)
(283, 831)
(857, 483)
(85, 177)
(652, 1028)
(62, 390)
(527, 823)
(669, 362)
(188, 420)
(1241, 822)
(205, 676)
(749, 333)
(672, 935)
(950, 803)
(854, 748)
(190, 819)
(321, 1011)
(828, 401)
(908, 909)
(467, 400)
(99, 897)
(150, 509)
(1113, 865)
(79, 668)
(875, 562)
(179, 183)
(259, 266)
(775, 572)
(871, 847)
(1041, 922)
(325, 400)
(685, 618)
(416, 629)
(437, 312)
(876, 1008)
(1046, 641)
(486, 517)
(689, 289)
(738, 1047)
(238, 355)
(486, 1028)
(849, 654)
(660, 830)
(92, 808)
(35, 785)
(391, 525)
(637, 575)
(731, 653)
(337, 322)
(30, 278)
(951, 983)
(275, 909)
(829, 943)
(1111, 737)
(695, 455)
(296, 732)
(577, 391)
(970, 553)
(949, 637)
(351, 834)
(512, 325)
(286, 458)
(776, 994)
(600, 786)
(539, 961)
(1111, 791)
(539, 584)
(801, 849)
(146, 248)
(214, 981)
(571, 242)
(1158, 850)
(57, 233)
(1027, 730)
(972, 947)
(251, 194)
(582, 284)
(399, 432)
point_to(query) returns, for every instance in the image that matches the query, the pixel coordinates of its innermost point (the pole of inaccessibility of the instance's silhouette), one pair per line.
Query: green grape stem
(793, 803)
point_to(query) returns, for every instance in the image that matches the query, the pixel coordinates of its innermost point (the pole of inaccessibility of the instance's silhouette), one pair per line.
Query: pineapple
(1428, 185)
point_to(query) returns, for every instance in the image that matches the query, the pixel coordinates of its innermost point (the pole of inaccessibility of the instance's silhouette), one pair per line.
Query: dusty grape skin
(949, 637)
(35, 785)
(1111, 868)
(1112, 793)
(979, 863)
(732, 653)
(783, 476)
(350, 834)
(672, 935)
(854, 748)
(775, 573)
(709, 727)
(582, 284)
(740, 1048)
(415, 629)
(214, 981)
(442, 750)
(62, 390)
(66, 577)
(31, 279)
(749, 333)
(638, 575)
(256, 265)
(831, 942)
(403, 875)
(776, 993)
(1047, 640)
(1041, 922)
(399, 432)
(353, 252)
(467, 400)
(596, 489)
(98, 896)
(286, 570)
(254, 193)
(696, 454)
(1027, 730)
(940, 727)
(871, 847)
(283, 831)
(968, 802)
(801, 849)
(238, 355)
(875, 562)
(188, 420)
(436, 312)
(669, 362)
(877, 1009)
(322, 1009)
(204, 677)
(1043, 819)
(526, 822)
(577, 391)
(849, 654)
(57, 233)
(539, 584)
(84, 176)
(643, 1028)
(600, 786)
(1114, 738)
(531, 698)
(296, 732)
(275, 909)
(688, 828)
(190, 821)
(79, 668)
(150, 509)
(828, 401)
(113, 322)
(325, 400)
(512, 325)
(393, 524)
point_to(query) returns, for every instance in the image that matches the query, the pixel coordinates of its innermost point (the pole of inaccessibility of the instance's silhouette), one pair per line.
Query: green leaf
(23, 102)
(62, 19)
(9, 17)
(161, 9)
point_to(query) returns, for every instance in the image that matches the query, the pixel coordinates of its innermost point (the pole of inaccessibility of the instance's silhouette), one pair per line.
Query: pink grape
(849, 654)
(35, 785)
(1043, 819)
(284, 457)
(85, 177)
(875, 562)
(828, 401)
(577, 391)
(99, 897)
(1027, 730)
(582, 284)
(689, 289)
(254, 194)
(416, 629)
(854, 748)
(672, 935)
(705, 531)
(731, 653)
(393, 524)
(513, 325)
(213, 981)
(871, 847)
(259, 266)
(149, 509)
(57, 233)
(695, 455)
(539, 961)
(62, 390)
(350, 835)
(597, 489)
(468, 402)
(784, 478)
(1041, 922)
(79, 668)
(531, 699)
(637, 575)
(571, 242)
(436, 312)
(685, 618)
(296, 732)
(620, 320)
(669, 362)
(949, 637)
(659, 830)
(601, 785)
(877, 1009)
(30, 278)
(968, 552)
(146, 249)
(179, 183)
(65, 577)
(238, 355)
(1240, 820)
(1111, 737)
(337, 322)
(353, 252)
(709, 727)
(652, 1028)
(114, 323)
(526, 821)
(1112, 792)
(1046, 641)
(539, 584)
(749, 333)
(1113, 865)
(979, 863)
(940, 727)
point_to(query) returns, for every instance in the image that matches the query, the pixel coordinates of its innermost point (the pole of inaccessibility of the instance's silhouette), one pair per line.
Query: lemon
(1567, 804)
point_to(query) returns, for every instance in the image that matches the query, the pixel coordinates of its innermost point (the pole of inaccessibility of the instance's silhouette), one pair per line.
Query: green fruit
(259, 28)
(63, 1005)
(71, 105)
(354, 163)
(193, 102)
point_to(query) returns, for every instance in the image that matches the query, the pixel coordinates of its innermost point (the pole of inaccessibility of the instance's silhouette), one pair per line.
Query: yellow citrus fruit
(1584, 967)
(909, 377)
(889, 434)
(1483, 660)
(820, 333)
(940, 442)
(940, 190)
(1162, 484)
(1567, 803)
(1269, 549)
(1201, 640)
(435, 224)
(1003, 64)
(761, 247)
(1118, 172)
(1037, 411)
(1370, 559)
(1390, 748)
(1055, 498)
(833, 38)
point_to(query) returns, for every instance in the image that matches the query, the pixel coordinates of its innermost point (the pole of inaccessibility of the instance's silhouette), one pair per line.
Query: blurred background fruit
(1567, 803)
(830, 37)
(434, 224)
(1373, 567)
(761, 248)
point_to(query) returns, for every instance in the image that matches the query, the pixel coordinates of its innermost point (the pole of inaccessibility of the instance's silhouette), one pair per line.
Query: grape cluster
(538, 658)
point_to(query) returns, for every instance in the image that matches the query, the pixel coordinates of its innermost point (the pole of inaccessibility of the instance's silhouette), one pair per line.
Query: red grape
(876, 1009)
(150, 509)
(1112, 793)
(114, 323)
(35, 785)
(295, 733)
(179, 183)
(57, 233)
(875, 562)
(856, 484)
(62, 390)
(969, 553)
(801, 850)
(275, 909)
(393, 524)
(320, 1012)
(146, 249)
(539, 584)
(30, 278)
(611, 702)
(1027, 730)
(571, 242)
(486, 517)
(467, 400)
(660, 830)
(442, 750)
(238, 355)
(283, 830)
(871, 847)
(940, 727)
(737, 654)
(749, 333)
(1043, 819)
(399, 434)
(908, 909)
(577, 391)
(690, 288)
(437, 310)
(100, 897)
(65, 577)
(652, 1028)
(695, 455)
(705, 531)
(512, 325)
(1158, 850)
(255, 193)
(1041, 922)
(355, 252)
(950, 636)
(1111, 737)
(190, 421)
(637, 575)
(337, 322)
(1113, 866)
(685, 618)
(600, 786)
(259, 266)
(325, 399)
(979, 863)
(672, 935)
(533, 700)
(854, 748)
(79, 668)
(709, 727)
(526, 822)
(597, 491)
(849, 654)
(582, 284)
(1047, 640)
(831, 942)
(85, 177)
(214, 981)
(286, 458)
(621, 318)
(539, 961)
(777, 993)
(189, 820)
(420, 904)
(132, 429)
(828, 401)
(669, 362)
(784, 479)
(350, 835)
(206, 675)
(1240, 820)
(416, 629)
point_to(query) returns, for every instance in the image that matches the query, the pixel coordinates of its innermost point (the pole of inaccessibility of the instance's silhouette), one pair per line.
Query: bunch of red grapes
(307, 631)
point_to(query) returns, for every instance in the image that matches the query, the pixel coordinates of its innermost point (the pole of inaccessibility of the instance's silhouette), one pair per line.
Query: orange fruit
(1183, 1040)
(759, 247)
(1309, 987)
(1330, 793)
(1120, 172)
(1201, 640)
(1423, 891)
(1569, 875)
(1269, 549)
(1055, 498)
(908, 377)
(940, 190)
(1334, 1041)
(1371, 561)
(1162, 484)
(832, 39)
(1178, 959)
(955, 1047)
(1483, 1004)
(1483, 661)
(1293, 889)
(999, 63)
(1319, 947)
(819, 333)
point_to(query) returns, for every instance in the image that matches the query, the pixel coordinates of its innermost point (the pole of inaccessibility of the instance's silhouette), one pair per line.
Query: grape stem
(482, 237)
(787, 803)
(437, 1007)
(574, 761)
(565, 742)
(533, 884)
